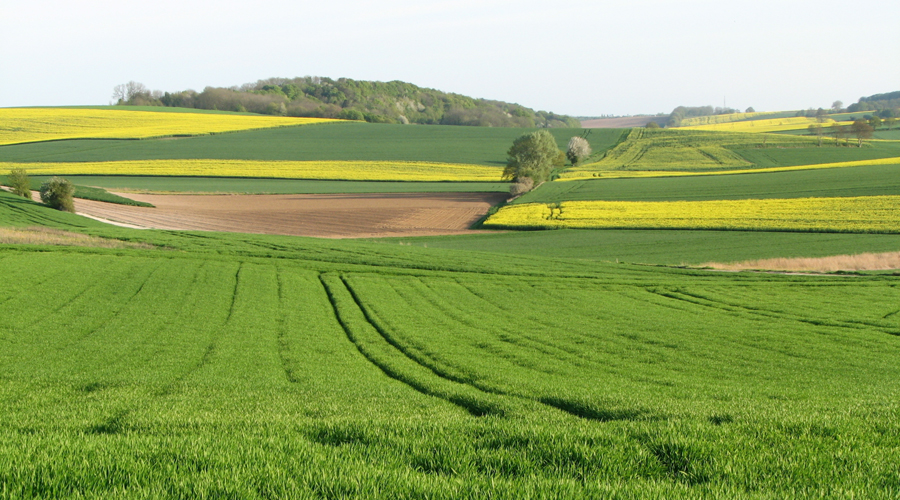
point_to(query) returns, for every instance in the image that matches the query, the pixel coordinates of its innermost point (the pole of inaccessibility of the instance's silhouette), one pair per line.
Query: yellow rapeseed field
(732, 117)
(19, 125)
(764, 126)
(867, 214)
(620, 174)
(324, 170)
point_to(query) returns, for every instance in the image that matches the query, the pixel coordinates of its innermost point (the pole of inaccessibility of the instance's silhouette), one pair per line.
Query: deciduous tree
(19, 182)
(532, 155)
(862, 130)
(57, 193)
(840, 132)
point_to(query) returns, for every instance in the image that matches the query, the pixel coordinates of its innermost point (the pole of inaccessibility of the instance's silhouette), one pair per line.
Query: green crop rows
(230, 365)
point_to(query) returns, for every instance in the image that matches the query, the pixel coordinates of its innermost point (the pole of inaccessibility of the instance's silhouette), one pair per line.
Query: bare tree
(817, 130)
(126, 92)
(862, 130)
(836, 106)
(840, 132)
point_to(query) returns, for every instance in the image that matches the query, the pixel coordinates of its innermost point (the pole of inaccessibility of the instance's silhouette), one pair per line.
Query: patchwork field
(194, 361)
(682, 179)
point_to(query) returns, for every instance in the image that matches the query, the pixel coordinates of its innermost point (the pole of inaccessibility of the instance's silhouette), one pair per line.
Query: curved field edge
(312, 170)
(24, 125)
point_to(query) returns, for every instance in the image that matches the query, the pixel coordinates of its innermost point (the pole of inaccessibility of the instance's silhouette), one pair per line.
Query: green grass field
(230, 365)
(332, 141)
(828, 153)
(665, 247)
(872, 180)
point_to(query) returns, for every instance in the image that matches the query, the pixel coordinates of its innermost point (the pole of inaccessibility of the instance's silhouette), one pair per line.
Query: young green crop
(243, 366)
(338, 141)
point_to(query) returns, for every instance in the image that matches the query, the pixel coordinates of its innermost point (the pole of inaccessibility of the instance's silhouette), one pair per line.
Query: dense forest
(887, 105)
(378, 102)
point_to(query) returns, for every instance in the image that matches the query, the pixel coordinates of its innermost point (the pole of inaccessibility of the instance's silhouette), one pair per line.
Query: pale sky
(583, 58)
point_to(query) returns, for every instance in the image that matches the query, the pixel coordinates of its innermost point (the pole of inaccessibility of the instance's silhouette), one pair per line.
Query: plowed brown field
(328, 216)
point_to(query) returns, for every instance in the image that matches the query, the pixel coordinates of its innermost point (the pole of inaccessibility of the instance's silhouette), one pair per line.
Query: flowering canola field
(764, 126)
(324, 170)
(868, 214)
(732, 117)
(21, 125)
(620, 174)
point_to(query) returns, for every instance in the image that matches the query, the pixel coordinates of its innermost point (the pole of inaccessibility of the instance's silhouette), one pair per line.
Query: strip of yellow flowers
(621, 174)
(20, 125)
(324, 170)
(714, 119)
(867, 214)
(765, 126)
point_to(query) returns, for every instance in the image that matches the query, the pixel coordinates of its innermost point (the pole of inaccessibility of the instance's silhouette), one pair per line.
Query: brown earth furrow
(330, 216)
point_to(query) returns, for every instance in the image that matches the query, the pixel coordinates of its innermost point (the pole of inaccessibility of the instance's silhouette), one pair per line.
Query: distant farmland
(589, 363)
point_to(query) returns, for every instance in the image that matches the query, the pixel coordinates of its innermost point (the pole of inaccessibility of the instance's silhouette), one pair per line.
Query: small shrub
(521, 186)
(57, 193)
(19, 182)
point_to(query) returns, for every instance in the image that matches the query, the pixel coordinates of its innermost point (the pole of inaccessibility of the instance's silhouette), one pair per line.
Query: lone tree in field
(840, 132)
(862, 130)
(875, 122)
(652, 124)
(19, 182)
(578, 149)
(57, 193)
(533, 156)
(817, 130)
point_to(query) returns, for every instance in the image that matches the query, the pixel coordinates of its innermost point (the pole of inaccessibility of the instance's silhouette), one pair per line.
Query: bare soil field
(327, 216)
(627, 122)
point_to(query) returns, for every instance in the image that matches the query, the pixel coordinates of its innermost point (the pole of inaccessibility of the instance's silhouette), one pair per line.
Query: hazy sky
(583, 58)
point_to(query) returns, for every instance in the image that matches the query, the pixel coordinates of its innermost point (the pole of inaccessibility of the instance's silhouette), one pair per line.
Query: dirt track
(328, 216)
